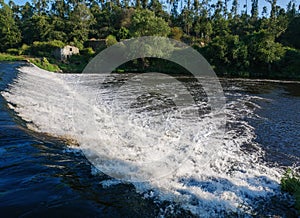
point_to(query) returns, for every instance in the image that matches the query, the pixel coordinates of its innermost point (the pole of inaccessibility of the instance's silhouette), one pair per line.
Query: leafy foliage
(145, 23)
(45, 64)
(10, 35)
(111, 40)
(176, 33)
(265, 45)
(290, 182)
(45, 49)
(9, 57)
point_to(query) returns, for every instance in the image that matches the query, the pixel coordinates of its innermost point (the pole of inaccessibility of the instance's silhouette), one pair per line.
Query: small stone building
(65, 52)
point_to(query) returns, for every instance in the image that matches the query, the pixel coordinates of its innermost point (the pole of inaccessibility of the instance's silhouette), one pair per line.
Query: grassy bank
(52, 65)
(9, 57)
(290, 183)
(40, 62)
(75, 65)
(45, 64)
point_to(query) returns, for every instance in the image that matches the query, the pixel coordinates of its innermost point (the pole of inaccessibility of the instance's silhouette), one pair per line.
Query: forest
(256, 43)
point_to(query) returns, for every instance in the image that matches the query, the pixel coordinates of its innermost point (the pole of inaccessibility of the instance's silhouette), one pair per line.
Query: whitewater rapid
(216, 175)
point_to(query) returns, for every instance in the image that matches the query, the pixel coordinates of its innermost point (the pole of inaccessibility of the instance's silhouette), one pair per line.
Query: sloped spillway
(217, 174)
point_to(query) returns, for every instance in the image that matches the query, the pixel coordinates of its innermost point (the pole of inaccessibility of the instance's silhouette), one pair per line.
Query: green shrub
(9, 57)
(290, 182)
(123, 33)
(25, 49)
(44, 64)
(13, 51)
(87, 51)
(111, 40)
(77, 44)
(45, 48)
(289, 66)
(176, 33)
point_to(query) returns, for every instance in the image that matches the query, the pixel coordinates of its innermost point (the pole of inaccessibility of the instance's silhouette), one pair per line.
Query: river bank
(78, 63)
(49, 64)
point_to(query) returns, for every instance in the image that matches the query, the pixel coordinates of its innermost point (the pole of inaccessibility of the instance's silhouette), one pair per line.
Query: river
(42, 172)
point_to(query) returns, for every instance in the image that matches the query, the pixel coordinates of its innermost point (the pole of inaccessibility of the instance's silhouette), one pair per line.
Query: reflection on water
(39, 175)
(277, 129)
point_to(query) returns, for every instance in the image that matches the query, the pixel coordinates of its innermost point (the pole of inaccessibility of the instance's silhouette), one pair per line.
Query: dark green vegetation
(8, 57)
(44, 64)
(239, 44)
(290, 182)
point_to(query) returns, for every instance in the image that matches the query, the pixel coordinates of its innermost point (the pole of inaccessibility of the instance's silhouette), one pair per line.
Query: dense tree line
(244, 43)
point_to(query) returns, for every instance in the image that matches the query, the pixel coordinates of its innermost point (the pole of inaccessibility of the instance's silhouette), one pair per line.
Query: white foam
(109, 183)
(217, 175)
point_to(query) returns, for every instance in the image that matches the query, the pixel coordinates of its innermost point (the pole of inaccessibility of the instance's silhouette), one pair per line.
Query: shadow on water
(292, 89)
(39, 176)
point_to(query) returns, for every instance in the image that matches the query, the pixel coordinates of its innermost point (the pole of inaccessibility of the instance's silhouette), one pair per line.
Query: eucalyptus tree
(146, 23)
(10, 35)
(254, 9)
(234, 8)
(144, 3)
(59, 15)
(273, 8)
(41, 6)
(79, 24)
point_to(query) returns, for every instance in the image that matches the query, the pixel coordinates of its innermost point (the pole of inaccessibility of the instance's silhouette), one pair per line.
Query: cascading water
(136, 136)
